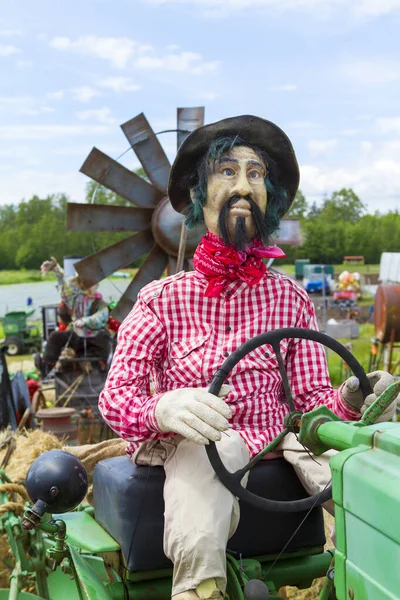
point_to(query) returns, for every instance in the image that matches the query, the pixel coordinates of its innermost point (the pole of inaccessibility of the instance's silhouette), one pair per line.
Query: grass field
(33, 275)
(361, 348)
(24, 276)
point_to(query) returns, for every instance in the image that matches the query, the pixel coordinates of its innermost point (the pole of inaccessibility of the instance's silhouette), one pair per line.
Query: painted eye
(254, 175)
(228, 172)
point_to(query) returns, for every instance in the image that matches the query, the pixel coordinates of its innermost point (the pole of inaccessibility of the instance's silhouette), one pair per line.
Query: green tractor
(21, 336)
(66, 550)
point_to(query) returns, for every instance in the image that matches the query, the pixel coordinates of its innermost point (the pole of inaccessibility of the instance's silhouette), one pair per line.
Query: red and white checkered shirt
(177, 337)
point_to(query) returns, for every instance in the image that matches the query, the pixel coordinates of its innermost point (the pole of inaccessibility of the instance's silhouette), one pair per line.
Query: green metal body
(299, 267)
(70, 557)
(15, 325)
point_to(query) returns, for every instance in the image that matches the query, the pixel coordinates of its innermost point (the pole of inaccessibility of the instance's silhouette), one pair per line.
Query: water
(14, 297)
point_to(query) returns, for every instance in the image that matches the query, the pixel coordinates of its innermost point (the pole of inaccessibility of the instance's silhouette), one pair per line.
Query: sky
(326, 71)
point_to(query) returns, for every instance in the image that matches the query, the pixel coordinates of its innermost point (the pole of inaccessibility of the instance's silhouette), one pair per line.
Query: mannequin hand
(194, 413)
(48, 265)
(352, 396)
(79, 323)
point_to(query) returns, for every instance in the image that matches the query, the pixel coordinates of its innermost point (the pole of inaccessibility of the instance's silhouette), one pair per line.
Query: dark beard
(241, 238)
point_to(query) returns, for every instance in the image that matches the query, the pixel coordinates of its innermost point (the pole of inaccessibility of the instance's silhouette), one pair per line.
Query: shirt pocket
(264, 358)
(186, 359)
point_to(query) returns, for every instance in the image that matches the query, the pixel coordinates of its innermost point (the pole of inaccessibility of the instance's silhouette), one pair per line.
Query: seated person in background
(87, 314)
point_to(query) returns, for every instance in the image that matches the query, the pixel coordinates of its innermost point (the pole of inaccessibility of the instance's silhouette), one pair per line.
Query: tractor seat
(129, 505)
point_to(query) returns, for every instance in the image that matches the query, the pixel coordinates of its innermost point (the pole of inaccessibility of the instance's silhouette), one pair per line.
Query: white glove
(352, 396)
(194, 413)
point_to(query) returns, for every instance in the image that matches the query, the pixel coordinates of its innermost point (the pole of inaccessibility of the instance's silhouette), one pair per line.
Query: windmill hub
(166, 225)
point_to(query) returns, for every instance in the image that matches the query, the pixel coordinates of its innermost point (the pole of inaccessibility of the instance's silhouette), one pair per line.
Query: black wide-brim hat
(252, 130)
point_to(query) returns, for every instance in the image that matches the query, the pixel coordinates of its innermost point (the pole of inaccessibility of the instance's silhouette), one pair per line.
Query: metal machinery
(114, 550)
(386, 348)
(158, 235)
(20, 335)
(76, 386)
(160, 231)
(158, 225)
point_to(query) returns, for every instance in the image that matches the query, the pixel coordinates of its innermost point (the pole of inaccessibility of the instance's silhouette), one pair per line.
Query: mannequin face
(237, 177)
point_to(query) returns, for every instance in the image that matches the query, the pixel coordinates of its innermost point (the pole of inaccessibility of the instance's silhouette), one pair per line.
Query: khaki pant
(200, 513)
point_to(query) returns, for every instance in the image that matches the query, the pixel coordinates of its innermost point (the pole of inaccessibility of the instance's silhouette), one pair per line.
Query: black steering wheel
(232, 481)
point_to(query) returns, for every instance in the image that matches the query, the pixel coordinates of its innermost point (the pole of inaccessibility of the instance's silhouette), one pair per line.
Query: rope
(14, 488)
(15, 507)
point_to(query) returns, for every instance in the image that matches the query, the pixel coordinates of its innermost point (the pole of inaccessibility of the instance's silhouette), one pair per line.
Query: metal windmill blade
(157, 224)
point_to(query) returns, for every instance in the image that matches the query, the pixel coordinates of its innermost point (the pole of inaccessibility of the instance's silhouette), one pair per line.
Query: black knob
(58, 479)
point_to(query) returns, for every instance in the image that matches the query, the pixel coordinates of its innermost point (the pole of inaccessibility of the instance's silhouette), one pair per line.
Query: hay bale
(29, 446)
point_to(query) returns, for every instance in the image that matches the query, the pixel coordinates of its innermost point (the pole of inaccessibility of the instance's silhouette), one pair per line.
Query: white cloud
(367, 147)
(102, 115)
(77, 150)
(125, 52)
(301, 125)
(49, 132)
(184, 62)
(374, 8)
(358, 9)
(363, 118)
(118, 51)
(24, 183)
(371, 72)
(11, 32)
(84, 93)
(12, 101)
(376, 182)
(7, 50)
(56, 95)
(202, 96)
(288, 87)
(23, 105)
(318, 147)
(41, 110)
(350, 132)
(24, 64)
(120, 84)
(389, 125)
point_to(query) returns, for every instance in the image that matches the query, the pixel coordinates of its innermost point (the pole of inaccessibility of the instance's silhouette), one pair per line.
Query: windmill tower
(157, 225)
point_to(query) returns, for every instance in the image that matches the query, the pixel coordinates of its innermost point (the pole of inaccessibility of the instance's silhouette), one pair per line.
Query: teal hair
(277, 196)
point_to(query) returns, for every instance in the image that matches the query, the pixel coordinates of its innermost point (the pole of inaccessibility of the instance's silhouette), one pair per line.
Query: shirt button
(228, 328)
(226, 353)
(229, 294)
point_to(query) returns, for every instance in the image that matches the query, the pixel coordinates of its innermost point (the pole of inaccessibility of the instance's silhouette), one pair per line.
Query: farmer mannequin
(240, 176)
(85, 315)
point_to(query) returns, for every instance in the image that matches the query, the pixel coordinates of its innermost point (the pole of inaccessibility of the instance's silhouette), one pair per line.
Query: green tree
(344, 205)
(314, 211)
(299, 208)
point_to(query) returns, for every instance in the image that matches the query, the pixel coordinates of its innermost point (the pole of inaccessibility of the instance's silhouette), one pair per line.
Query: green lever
(381, 404)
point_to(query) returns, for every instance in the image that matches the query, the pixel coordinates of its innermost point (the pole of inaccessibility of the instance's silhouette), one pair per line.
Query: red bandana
(220, 264)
